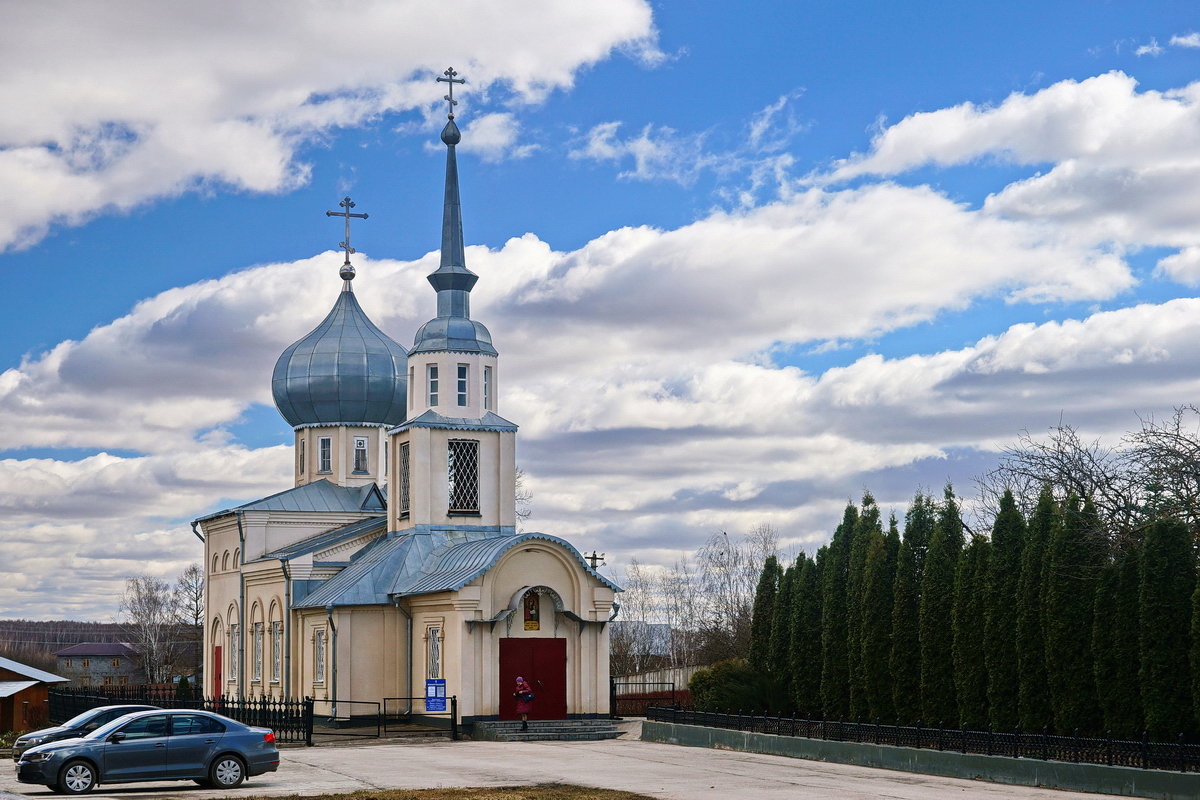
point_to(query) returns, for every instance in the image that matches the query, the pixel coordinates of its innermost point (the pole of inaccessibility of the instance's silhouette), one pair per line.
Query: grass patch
(541, 791)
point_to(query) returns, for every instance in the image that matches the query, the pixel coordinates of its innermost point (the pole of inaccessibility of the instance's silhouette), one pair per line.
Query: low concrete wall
(1000, 769)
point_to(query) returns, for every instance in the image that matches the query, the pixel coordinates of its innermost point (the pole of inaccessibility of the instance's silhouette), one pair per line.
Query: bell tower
(453, 457)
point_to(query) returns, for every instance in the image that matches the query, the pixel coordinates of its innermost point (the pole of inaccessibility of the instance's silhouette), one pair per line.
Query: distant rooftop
(96, 649)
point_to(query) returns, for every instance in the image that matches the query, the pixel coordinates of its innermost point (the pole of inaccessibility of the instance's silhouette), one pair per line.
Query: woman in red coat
(524, 695)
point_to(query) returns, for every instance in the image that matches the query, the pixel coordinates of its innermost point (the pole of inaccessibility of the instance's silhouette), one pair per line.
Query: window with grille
(464, 374)
(433, 651)
(463, 458)
(487, 388)
(258, 651)
(325, 456)
(404, 479)
(431, 374)
(276, 650)
(319, 657)
(360, 454)
(300, 455)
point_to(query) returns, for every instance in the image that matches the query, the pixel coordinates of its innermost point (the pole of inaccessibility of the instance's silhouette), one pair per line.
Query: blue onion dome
(346, 372)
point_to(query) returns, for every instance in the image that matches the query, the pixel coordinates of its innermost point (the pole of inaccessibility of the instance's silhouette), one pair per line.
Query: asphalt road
(658, 770)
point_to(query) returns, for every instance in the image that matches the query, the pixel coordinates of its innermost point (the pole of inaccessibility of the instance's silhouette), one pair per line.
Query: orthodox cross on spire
(346, 204)
(451, 79)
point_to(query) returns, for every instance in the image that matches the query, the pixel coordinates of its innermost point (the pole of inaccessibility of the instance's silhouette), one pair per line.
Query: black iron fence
(291, 720)
(1180, 755)
(420, 716)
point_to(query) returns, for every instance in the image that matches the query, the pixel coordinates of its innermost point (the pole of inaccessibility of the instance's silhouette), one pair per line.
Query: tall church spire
(453, 329)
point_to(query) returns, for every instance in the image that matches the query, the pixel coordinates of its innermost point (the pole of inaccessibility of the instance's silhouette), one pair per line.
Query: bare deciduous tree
(148, 608)
(188, 607)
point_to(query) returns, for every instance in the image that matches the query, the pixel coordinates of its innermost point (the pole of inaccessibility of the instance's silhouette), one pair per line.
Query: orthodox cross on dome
(451, 79)
(346, 204)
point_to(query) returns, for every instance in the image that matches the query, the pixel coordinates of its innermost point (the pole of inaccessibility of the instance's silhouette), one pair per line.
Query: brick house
(101, 664)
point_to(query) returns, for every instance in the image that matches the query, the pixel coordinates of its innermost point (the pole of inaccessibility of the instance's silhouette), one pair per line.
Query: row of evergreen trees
(1048, 622)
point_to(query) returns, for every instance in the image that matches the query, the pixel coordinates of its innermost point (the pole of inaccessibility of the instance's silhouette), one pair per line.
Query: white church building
(393, 568)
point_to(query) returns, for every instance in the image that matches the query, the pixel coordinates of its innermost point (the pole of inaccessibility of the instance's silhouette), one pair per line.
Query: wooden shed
(24, 691)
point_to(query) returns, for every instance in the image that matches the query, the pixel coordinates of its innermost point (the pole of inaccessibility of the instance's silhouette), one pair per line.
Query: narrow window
(464, 372)
(412, 387)
(87, 663)
(276, 650)
(123, 680)
(487, 388)
(325, 456)
(258, 651)
(233, 652)
(404, 480)
(463, 475)
(386, 464)
(66, 662)
(360, 454)
(433, 651)
(108, 680)
(300, 455)
(319, 657)
(116, 662)
(432, 375)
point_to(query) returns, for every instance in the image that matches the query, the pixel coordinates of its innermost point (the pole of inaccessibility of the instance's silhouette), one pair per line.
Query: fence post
(1108, 747)
(1075, 747)
(308, 721)
(941, 726)
(454, 718)
(1182, 763)
(1145, 749)
(612, 698)
(1045, 743)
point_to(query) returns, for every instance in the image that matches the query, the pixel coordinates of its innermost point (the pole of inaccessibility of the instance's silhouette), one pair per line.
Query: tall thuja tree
(805, 654)
(1033, 701)
(835, 685)
(763, 615)
(866, 531)
(969, 618)
(1000, 625)
(879, 581)
(1195, 652)
(1115, 646)
(781, 640)
(939, 702)
(905, 657)
(1069, 577)
(1168, 580)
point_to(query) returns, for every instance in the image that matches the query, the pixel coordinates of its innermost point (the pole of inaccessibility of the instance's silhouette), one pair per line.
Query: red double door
(543, 664)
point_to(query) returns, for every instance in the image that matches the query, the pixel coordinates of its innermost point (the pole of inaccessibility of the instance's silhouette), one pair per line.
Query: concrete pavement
(658, 770)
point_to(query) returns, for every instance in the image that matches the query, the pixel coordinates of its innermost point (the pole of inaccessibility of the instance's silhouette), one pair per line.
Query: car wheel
(227, 772)
(77, 777)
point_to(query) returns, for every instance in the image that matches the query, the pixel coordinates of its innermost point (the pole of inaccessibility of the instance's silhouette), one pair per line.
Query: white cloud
(494, 137)
(1182, 267)
(661, 153)
(1151, 49)
(1186, 40)
(228, 93)
(1118, 166)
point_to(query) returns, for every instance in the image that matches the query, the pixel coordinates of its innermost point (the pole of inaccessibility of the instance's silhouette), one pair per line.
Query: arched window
(225, 561)
(216, 562)
(276, 643)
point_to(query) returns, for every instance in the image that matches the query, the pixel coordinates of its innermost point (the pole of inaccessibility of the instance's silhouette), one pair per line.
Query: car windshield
(80, 719)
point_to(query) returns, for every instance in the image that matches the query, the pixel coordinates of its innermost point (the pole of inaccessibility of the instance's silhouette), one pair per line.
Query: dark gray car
(75, 727)
(212, 750)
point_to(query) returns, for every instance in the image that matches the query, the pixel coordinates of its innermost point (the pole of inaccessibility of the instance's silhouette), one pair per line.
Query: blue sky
(742, 260)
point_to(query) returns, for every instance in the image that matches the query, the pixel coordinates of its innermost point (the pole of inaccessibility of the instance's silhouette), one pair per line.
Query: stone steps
(571, 730)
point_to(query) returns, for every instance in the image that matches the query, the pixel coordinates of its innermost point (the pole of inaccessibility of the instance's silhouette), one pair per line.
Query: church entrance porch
(541, 662)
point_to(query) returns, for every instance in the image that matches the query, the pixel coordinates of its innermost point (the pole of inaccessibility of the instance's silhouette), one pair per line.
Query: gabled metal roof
(327, 539)
(9, 688)
(490, 421)
(97, 649)
(424, 563)
(33, 673)
(316, 496)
